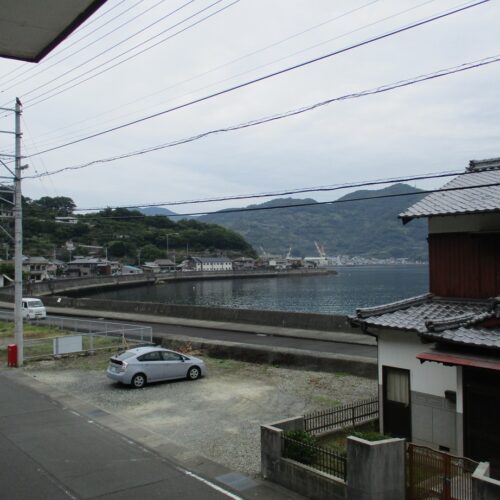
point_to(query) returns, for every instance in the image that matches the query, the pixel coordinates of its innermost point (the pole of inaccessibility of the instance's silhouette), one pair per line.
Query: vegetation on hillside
(125, 234)
(368, 228)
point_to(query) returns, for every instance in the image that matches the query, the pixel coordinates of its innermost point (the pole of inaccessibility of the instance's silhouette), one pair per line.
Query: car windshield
(35, 303)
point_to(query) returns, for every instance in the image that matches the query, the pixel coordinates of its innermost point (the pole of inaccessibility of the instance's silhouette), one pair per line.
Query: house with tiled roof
(439, 353)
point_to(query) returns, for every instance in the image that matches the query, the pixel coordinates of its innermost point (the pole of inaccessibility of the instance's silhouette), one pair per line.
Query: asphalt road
(266, 340)
(256, 339)
(51, 452)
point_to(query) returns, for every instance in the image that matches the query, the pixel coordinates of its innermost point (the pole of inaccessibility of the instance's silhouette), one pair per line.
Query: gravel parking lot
(217, 416)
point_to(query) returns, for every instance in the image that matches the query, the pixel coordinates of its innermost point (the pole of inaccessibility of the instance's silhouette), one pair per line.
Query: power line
(44, 67)
(41, 97)
(281, 116)
(305, 204)
(58, 51)
(271, 75)
(262, 49)
(105, 51)
(316, 189)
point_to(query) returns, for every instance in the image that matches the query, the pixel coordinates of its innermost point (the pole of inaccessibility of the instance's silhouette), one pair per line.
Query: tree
(151, 252)
(59, 206)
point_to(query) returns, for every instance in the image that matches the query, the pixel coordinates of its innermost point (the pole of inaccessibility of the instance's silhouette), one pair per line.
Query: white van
(33, 309)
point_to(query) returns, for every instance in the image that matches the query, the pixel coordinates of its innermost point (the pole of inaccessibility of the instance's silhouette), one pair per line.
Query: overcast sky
(433, 126)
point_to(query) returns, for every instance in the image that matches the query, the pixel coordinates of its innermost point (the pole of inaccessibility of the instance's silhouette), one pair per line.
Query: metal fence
(95, 335)
(323, 459)
(347, 415)
(436, 474)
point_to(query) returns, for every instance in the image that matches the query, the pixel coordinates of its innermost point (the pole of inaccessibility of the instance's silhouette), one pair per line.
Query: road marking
(212, 485)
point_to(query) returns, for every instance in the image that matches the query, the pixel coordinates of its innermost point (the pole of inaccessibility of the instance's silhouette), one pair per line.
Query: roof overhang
(30, 29)
(448, 359)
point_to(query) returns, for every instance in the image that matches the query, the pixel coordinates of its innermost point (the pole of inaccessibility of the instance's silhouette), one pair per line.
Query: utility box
(12, 355)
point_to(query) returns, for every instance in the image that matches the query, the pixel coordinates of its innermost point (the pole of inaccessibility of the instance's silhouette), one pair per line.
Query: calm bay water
(340, 293)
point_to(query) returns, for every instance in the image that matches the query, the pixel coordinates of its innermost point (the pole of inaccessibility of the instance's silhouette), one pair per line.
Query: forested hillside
(123, 233)
(368, 228)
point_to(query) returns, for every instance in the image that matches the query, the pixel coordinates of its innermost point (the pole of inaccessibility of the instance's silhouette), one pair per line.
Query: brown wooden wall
(464, 265)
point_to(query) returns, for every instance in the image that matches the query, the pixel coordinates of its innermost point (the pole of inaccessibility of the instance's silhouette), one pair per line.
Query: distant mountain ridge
(368, 228)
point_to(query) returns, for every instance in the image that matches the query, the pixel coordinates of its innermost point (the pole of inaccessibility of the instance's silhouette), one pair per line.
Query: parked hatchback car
(142, 365)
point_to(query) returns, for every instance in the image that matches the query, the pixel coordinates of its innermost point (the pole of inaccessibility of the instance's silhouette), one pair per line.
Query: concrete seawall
(284, 319)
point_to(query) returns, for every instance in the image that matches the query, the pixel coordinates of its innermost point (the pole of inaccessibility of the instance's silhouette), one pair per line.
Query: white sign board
(65, 345)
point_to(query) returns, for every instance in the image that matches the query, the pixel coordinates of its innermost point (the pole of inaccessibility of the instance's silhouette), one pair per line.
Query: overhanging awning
(30, 29)
(459, 360)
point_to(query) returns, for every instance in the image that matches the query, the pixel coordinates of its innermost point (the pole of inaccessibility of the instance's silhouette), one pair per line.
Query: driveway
(218, 416)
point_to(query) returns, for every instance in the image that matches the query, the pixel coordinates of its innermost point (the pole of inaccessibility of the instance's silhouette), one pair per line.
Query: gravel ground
(217, 416)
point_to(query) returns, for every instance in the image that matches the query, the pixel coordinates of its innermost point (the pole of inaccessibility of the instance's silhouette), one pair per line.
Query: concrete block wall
(297, 477)
(376, 469)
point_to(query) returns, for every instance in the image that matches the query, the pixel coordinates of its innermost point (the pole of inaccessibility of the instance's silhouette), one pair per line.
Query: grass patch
(31, 331)
(325, 400)
(337, 441)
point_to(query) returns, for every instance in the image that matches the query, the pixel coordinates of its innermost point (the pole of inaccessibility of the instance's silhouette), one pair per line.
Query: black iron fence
(341, 416)
(323, 459)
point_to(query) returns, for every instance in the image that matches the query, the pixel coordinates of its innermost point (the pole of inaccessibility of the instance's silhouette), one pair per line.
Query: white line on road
(212, 485)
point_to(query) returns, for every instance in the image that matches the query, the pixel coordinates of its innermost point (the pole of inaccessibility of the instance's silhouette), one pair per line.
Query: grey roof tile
(463, 200)
(427, 313)
(478, 337)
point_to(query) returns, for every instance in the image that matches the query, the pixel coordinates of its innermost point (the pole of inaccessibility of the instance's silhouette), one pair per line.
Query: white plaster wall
(400, 351)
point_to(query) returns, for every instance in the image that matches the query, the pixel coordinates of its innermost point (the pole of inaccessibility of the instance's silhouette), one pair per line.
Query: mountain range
(367, 228)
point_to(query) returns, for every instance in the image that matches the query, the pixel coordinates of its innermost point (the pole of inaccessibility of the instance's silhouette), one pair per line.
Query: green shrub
(369, 435)
(302, 448)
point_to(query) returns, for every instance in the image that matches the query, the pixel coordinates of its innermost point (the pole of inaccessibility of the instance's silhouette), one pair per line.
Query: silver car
(142, 365)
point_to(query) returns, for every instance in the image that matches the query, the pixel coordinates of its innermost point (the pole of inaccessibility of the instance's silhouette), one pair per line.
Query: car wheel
(139, 381)
(194, 373)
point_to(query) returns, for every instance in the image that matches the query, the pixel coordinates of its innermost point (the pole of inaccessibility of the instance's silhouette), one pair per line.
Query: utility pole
(13, 199)
(18, 241)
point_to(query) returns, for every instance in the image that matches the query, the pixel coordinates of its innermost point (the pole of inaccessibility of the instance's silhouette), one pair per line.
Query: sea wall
(306, 321)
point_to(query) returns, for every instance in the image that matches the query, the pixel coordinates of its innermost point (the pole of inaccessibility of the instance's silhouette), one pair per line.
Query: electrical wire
(315, 189)
(37, 99)
(281, 116)
(268, 76)
(238, 59)
(57, 52)
(45, 68)
(300, 205)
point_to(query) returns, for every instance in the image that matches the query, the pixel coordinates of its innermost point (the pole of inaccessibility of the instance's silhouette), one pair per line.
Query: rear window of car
(125, 355)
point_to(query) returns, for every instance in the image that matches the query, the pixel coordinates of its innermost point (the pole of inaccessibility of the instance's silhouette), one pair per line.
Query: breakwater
(83, 284)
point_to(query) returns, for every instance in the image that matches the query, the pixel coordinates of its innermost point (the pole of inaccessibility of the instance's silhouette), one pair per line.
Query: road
(256, 339)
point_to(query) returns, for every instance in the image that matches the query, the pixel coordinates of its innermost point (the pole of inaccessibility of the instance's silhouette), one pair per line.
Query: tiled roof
(462, 200)
(479, 337)
(427, 313)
